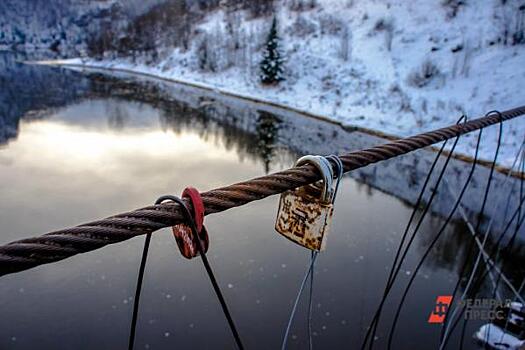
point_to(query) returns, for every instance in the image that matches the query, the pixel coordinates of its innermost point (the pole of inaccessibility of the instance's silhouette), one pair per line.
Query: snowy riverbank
(514, 130)
(300, 134)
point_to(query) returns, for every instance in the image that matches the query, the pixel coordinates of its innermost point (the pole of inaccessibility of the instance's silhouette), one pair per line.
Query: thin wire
(486, 256)
(395, 269)
(310, 299)
(294, 309)
(478, 282)
(140, 278)
(511, 242)
(513, 238)
(480, 279)
(470, 228)
(190, 220)
(374, 323)
(509, 314)
(403, 238)
(478, 223)
(310, 271)
(431, 246)
(136, 300)
(510, 245)
(516, 230)
(340, 173)
(507, 177)
(480, 217)
(372, 328)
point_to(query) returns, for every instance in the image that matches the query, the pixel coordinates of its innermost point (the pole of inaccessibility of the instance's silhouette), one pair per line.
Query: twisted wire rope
(61, 244)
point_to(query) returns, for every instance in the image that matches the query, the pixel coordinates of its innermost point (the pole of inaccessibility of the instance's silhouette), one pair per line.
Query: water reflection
(114, 145)
(28, 91)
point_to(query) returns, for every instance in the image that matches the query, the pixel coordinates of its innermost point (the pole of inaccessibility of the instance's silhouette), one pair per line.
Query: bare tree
(386, 25)
(346, 43)
(205, 56)
(453, 6)
(259, 8)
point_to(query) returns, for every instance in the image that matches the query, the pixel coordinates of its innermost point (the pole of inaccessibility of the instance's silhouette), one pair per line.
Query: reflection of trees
(450, 252)
(26, 89)
(117, 117)
(266, 132)
(251, 134)
(31, 92)
(244, 142)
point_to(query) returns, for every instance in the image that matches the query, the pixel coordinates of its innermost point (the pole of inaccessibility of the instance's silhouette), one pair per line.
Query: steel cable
(18, 256)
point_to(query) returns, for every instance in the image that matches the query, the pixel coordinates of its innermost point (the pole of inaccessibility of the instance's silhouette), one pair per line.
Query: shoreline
(259, 100)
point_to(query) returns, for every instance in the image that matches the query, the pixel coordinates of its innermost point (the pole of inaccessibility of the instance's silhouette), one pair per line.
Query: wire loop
(194, 237)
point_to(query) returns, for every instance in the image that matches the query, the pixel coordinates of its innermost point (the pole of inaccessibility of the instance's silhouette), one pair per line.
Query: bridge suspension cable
(58, 245)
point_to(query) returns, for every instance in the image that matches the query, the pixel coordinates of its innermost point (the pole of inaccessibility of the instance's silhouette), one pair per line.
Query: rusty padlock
(305, 214)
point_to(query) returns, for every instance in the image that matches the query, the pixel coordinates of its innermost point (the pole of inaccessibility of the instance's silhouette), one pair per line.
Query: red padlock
(183, 233)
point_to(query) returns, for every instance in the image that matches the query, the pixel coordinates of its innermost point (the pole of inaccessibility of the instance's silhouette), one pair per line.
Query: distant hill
(62, 27)
(392, 65)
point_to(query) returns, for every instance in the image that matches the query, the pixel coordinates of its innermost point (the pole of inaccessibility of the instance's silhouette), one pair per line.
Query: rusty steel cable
(58, 245)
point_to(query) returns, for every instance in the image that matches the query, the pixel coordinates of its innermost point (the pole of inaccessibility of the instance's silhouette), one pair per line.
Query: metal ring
(166, 198)
(330, 193)
(340, 172)
(463, 118)
(500, 116)
(324, 167)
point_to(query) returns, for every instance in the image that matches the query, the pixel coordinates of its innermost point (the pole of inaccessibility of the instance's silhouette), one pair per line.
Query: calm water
(74, 148)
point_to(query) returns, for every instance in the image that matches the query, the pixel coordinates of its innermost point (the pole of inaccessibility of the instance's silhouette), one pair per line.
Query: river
(78, 146)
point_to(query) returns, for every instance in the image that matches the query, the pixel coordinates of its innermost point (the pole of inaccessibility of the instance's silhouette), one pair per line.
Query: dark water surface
(76, 147)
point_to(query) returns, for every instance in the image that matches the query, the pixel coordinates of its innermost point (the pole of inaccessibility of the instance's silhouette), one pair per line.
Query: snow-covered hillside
(62, 27)
(59, 26)
(397, 66)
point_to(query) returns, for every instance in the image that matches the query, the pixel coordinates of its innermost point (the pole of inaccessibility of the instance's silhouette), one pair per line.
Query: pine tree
(271, 65)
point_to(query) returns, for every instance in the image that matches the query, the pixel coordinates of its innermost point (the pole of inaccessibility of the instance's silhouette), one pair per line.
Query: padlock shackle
(325, 168)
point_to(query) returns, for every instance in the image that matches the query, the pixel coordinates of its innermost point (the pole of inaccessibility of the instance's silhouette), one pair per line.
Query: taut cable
(58, 245)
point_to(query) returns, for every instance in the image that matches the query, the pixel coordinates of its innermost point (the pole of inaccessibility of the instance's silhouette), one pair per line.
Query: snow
(374, 87)
(37, 25)
(496, 338)
(62, 28)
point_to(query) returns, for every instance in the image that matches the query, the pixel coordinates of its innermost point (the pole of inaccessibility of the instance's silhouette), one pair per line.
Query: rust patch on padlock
(304, 218)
